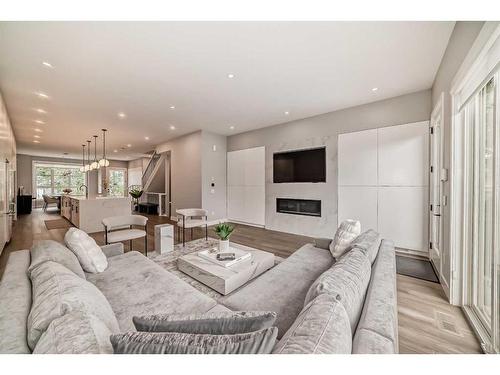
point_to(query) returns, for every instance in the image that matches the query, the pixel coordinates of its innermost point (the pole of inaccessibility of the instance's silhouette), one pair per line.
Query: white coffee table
(226, 279)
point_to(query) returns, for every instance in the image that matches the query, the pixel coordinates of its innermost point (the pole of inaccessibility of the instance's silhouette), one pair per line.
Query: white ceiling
(143, 68)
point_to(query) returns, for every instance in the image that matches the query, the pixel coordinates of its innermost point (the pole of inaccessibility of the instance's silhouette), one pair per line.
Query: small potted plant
(136, 193)
(67, 191)
(224, 231)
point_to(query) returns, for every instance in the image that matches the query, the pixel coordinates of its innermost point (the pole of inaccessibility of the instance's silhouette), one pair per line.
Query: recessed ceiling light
(146, 138)
(287, 113)
(38, 130)
(230, 75)
(231, 127)
(36, 136)
(115, 150)
(42, 95)
(40, 122)
(129, 145)
(35, 141)
(39, 110)
(374, 89)
(172, 107)
(121, 115)
(47, 64)
(172, 127)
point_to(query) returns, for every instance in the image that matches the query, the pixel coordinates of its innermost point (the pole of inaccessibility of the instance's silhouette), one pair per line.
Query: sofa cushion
(76, 332)
(368, 242)
(322, 327)
(379, 319)
(347, 280)
(15, 304)
(58, 291)
(347, 231)
(226, 323)
(134, 285)
(283, 288)
(259, 342)
(89, 254)
(48, 250)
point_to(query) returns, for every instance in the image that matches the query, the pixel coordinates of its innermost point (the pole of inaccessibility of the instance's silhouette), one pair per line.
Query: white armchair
(121, 228)
(191, 218)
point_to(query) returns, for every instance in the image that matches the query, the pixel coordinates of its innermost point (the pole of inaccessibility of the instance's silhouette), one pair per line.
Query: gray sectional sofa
(323, 306)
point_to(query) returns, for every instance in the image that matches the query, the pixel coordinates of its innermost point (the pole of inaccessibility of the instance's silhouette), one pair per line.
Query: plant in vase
(136, 194)
(224, 231)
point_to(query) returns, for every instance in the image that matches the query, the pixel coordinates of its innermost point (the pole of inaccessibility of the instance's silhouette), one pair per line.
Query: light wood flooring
(427, 322)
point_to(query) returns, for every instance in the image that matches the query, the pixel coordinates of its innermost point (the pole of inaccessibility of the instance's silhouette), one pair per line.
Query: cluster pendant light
(88, 165)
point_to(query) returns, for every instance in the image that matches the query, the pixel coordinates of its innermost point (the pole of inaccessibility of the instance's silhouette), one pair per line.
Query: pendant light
(104, 162)
(82, 168)
(87, 166)
(95, 164)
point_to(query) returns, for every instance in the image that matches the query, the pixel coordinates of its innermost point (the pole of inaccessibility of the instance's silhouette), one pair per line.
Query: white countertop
(83, 198)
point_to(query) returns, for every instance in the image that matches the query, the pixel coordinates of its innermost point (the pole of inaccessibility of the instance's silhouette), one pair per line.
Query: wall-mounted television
(300, 166)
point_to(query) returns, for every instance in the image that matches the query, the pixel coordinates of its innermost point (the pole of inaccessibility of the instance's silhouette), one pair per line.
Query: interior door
(436, 186)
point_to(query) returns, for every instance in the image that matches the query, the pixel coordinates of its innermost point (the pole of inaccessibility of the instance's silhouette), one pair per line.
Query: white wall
(384, 182)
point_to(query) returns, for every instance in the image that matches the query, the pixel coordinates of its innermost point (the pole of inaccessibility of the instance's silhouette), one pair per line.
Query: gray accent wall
(213, 171)
(323, 130)
(185, 170)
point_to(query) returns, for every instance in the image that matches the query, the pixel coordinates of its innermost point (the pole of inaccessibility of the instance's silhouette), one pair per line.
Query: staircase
(153, 178)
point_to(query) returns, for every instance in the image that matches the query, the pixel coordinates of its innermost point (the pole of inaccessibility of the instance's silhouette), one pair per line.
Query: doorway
(436, 177)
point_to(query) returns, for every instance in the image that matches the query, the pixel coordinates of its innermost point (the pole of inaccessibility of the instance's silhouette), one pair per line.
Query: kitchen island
(87, 213)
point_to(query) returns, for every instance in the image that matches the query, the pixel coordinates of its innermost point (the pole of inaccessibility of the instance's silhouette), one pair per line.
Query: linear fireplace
(306, 207)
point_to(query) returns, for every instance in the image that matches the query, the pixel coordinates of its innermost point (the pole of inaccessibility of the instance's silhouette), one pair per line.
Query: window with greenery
(53, 179)
(117, 178)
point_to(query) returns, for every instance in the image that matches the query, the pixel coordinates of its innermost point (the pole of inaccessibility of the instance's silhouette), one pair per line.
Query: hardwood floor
(427, 322)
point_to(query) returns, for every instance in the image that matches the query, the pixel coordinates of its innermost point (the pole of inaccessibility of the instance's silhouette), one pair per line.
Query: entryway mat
(57, 224)
(418, 268)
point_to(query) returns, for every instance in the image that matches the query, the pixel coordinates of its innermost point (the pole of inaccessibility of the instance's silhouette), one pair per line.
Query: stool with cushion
(121, 228)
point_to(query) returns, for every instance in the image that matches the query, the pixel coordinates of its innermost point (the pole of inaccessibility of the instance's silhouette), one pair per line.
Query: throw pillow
(58, 291)
(347, 280)
(322, 327)
(259, 342)
(368, 242)
(86, 250)
(347, 231)
(223, 323)
(52, 251)
(77, 332)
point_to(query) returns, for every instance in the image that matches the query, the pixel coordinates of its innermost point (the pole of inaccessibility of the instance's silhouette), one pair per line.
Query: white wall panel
(246, 199)
(403, 155)
(383, 182)
(403, 216)
(357, 153)
(359, 203)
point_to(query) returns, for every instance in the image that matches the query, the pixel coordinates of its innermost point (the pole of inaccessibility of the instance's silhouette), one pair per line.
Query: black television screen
(300, 166)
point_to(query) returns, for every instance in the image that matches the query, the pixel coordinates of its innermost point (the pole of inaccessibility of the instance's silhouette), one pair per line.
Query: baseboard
(244, 223)
(411, 253)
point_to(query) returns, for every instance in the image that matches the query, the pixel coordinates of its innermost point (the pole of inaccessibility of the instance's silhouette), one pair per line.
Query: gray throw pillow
(77, 332)
(347, 280)
(52, 251)
(259, 342)
(223, 323)
(322, 327)
(368, 242)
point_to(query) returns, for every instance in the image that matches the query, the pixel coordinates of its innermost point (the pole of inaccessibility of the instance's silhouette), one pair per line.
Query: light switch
(212, 191)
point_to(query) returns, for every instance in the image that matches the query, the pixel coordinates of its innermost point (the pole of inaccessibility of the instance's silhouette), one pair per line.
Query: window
(52, 179)
(117, 180)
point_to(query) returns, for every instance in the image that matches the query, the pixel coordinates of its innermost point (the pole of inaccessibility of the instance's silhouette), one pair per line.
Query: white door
(436, 186)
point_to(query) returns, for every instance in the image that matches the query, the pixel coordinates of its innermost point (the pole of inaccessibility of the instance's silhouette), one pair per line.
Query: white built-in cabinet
(383, 182)
(246, 186)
